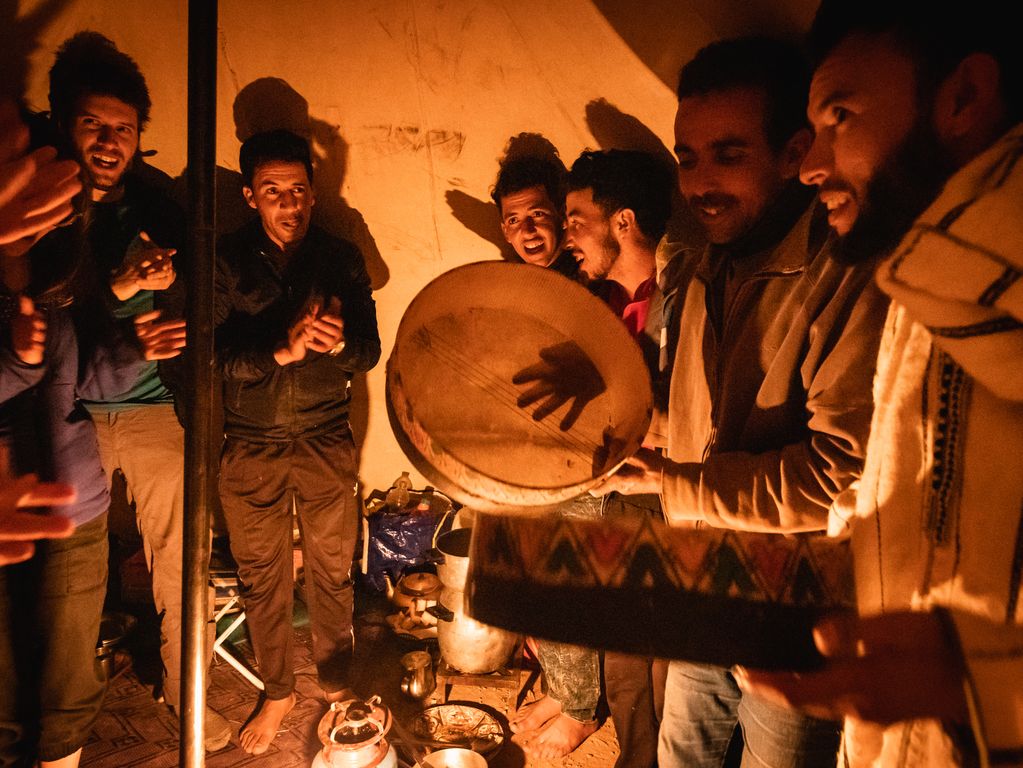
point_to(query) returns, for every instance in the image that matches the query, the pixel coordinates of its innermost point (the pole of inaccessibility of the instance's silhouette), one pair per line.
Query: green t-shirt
(148, 388)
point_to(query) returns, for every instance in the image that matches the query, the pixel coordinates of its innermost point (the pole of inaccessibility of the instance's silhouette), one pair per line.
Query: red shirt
(634, 311)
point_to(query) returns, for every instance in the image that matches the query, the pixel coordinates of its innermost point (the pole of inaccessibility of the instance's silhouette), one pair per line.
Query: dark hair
(89, 64)
(629, 179)
(527, 171)
(937, 36)
(280, 145)
(775, 67)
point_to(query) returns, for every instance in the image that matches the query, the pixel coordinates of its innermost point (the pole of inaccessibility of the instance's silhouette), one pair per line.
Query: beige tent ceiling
(409, 104)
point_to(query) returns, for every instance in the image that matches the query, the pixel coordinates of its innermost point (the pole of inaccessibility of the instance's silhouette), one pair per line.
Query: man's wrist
(124, 288)
(283, 356)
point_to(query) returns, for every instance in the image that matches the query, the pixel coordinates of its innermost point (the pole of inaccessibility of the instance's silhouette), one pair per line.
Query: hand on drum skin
(36, 189)
(19, 529)
(565, 373)
(641, 473)
(881, 669)
(160, 341)
(28, 333)
(146, 267)
(327, 330)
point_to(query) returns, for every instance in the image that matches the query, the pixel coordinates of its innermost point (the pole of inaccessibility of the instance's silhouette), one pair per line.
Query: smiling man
(917, 108)
(530, 196)
(117, 262)
(769, 403)
(618, 205)
(296, 320)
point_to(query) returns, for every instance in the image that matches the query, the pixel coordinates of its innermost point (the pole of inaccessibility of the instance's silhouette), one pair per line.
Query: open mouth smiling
(105, 161)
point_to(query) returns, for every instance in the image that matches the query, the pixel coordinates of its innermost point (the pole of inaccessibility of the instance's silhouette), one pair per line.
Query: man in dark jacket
(295, 320)
(117, 262)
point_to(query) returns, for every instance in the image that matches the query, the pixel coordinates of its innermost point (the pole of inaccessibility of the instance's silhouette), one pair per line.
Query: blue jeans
(703, 705)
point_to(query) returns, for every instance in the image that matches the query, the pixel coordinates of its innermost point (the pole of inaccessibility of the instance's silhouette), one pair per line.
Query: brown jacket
(768, 416)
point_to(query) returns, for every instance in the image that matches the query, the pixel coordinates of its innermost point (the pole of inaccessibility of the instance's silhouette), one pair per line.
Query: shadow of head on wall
(483, 217)
(614, 129)
(270, 103)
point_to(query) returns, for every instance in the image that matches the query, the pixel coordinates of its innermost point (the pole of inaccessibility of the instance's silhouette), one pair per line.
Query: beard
(612, 250)
(901, 189)
(599, 269)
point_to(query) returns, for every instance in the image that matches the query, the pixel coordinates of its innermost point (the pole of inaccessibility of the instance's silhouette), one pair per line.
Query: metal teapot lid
(419, 584)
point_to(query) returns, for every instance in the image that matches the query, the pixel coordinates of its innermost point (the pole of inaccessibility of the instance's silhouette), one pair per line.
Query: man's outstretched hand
(36, 188)
(565, 373)
(18, 529)
(881, 669)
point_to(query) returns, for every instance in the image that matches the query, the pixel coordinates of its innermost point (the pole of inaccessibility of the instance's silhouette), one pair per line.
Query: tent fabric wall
(408, 103)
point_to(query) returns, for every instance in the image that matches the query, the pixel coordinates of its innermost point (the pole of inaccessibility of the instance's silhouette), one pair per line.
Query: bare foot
(71, 761)
(531, 716)
(256, 736)
(559, 737)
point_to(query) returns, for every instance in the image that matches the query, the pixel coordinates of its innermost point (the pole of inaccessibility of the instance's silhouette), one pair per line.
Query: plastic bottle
(398, 496)
(423, 507)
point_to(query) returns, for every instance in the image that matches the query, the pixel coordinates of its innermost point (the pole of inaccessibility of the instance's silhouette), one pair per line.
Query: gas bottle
(352, 733)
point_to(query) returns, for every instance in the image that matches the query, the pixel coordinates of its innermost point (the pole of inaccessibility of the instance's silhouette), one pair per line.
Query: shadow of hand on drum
(565, 373)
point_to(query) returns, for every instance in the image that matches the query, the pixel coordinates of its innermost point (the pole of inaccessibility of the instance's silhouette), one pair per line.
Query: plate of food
(461, 724)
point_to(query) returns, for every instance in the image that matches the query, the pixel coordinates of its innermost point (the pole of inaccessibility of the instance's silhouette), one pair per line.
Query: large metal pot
(465, 644)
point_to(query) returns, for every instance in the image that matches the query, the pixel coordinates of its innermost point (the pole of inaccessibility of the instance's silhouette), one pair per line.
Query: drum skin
(453, 392)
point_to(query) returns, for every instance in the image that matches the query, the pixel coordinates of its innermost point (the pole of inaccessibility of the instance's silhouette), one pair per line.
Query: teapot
(412, 588)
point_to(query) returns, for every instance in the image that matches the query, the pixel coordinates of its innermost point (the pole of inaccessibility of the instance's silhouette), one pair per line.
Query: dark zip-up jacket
(72, 266)
(259, 294)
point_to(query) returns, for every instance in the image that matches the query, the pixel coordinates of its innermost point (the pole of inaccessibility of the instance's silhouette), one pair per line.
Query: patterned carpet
(136, 730)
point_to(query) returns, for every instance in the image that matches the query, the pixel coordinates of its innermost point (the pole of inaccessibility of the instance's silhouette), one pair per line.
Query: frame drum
(461, 362)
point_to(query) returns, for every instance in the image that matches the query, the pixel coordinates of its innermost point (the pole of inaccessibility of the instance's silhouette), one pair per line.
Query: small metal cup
(419, 681)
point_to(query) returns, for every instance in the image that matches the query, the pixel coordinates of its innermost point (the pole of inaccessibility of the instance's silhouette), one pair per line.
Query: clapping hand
(146, 267)
(313, 331)
(326, 331)
(28, 333)
(159, 340)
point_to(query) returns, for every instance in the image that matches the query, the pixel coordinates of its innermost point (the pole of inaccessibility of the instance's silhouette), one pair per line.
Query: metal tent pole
(199, 437)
